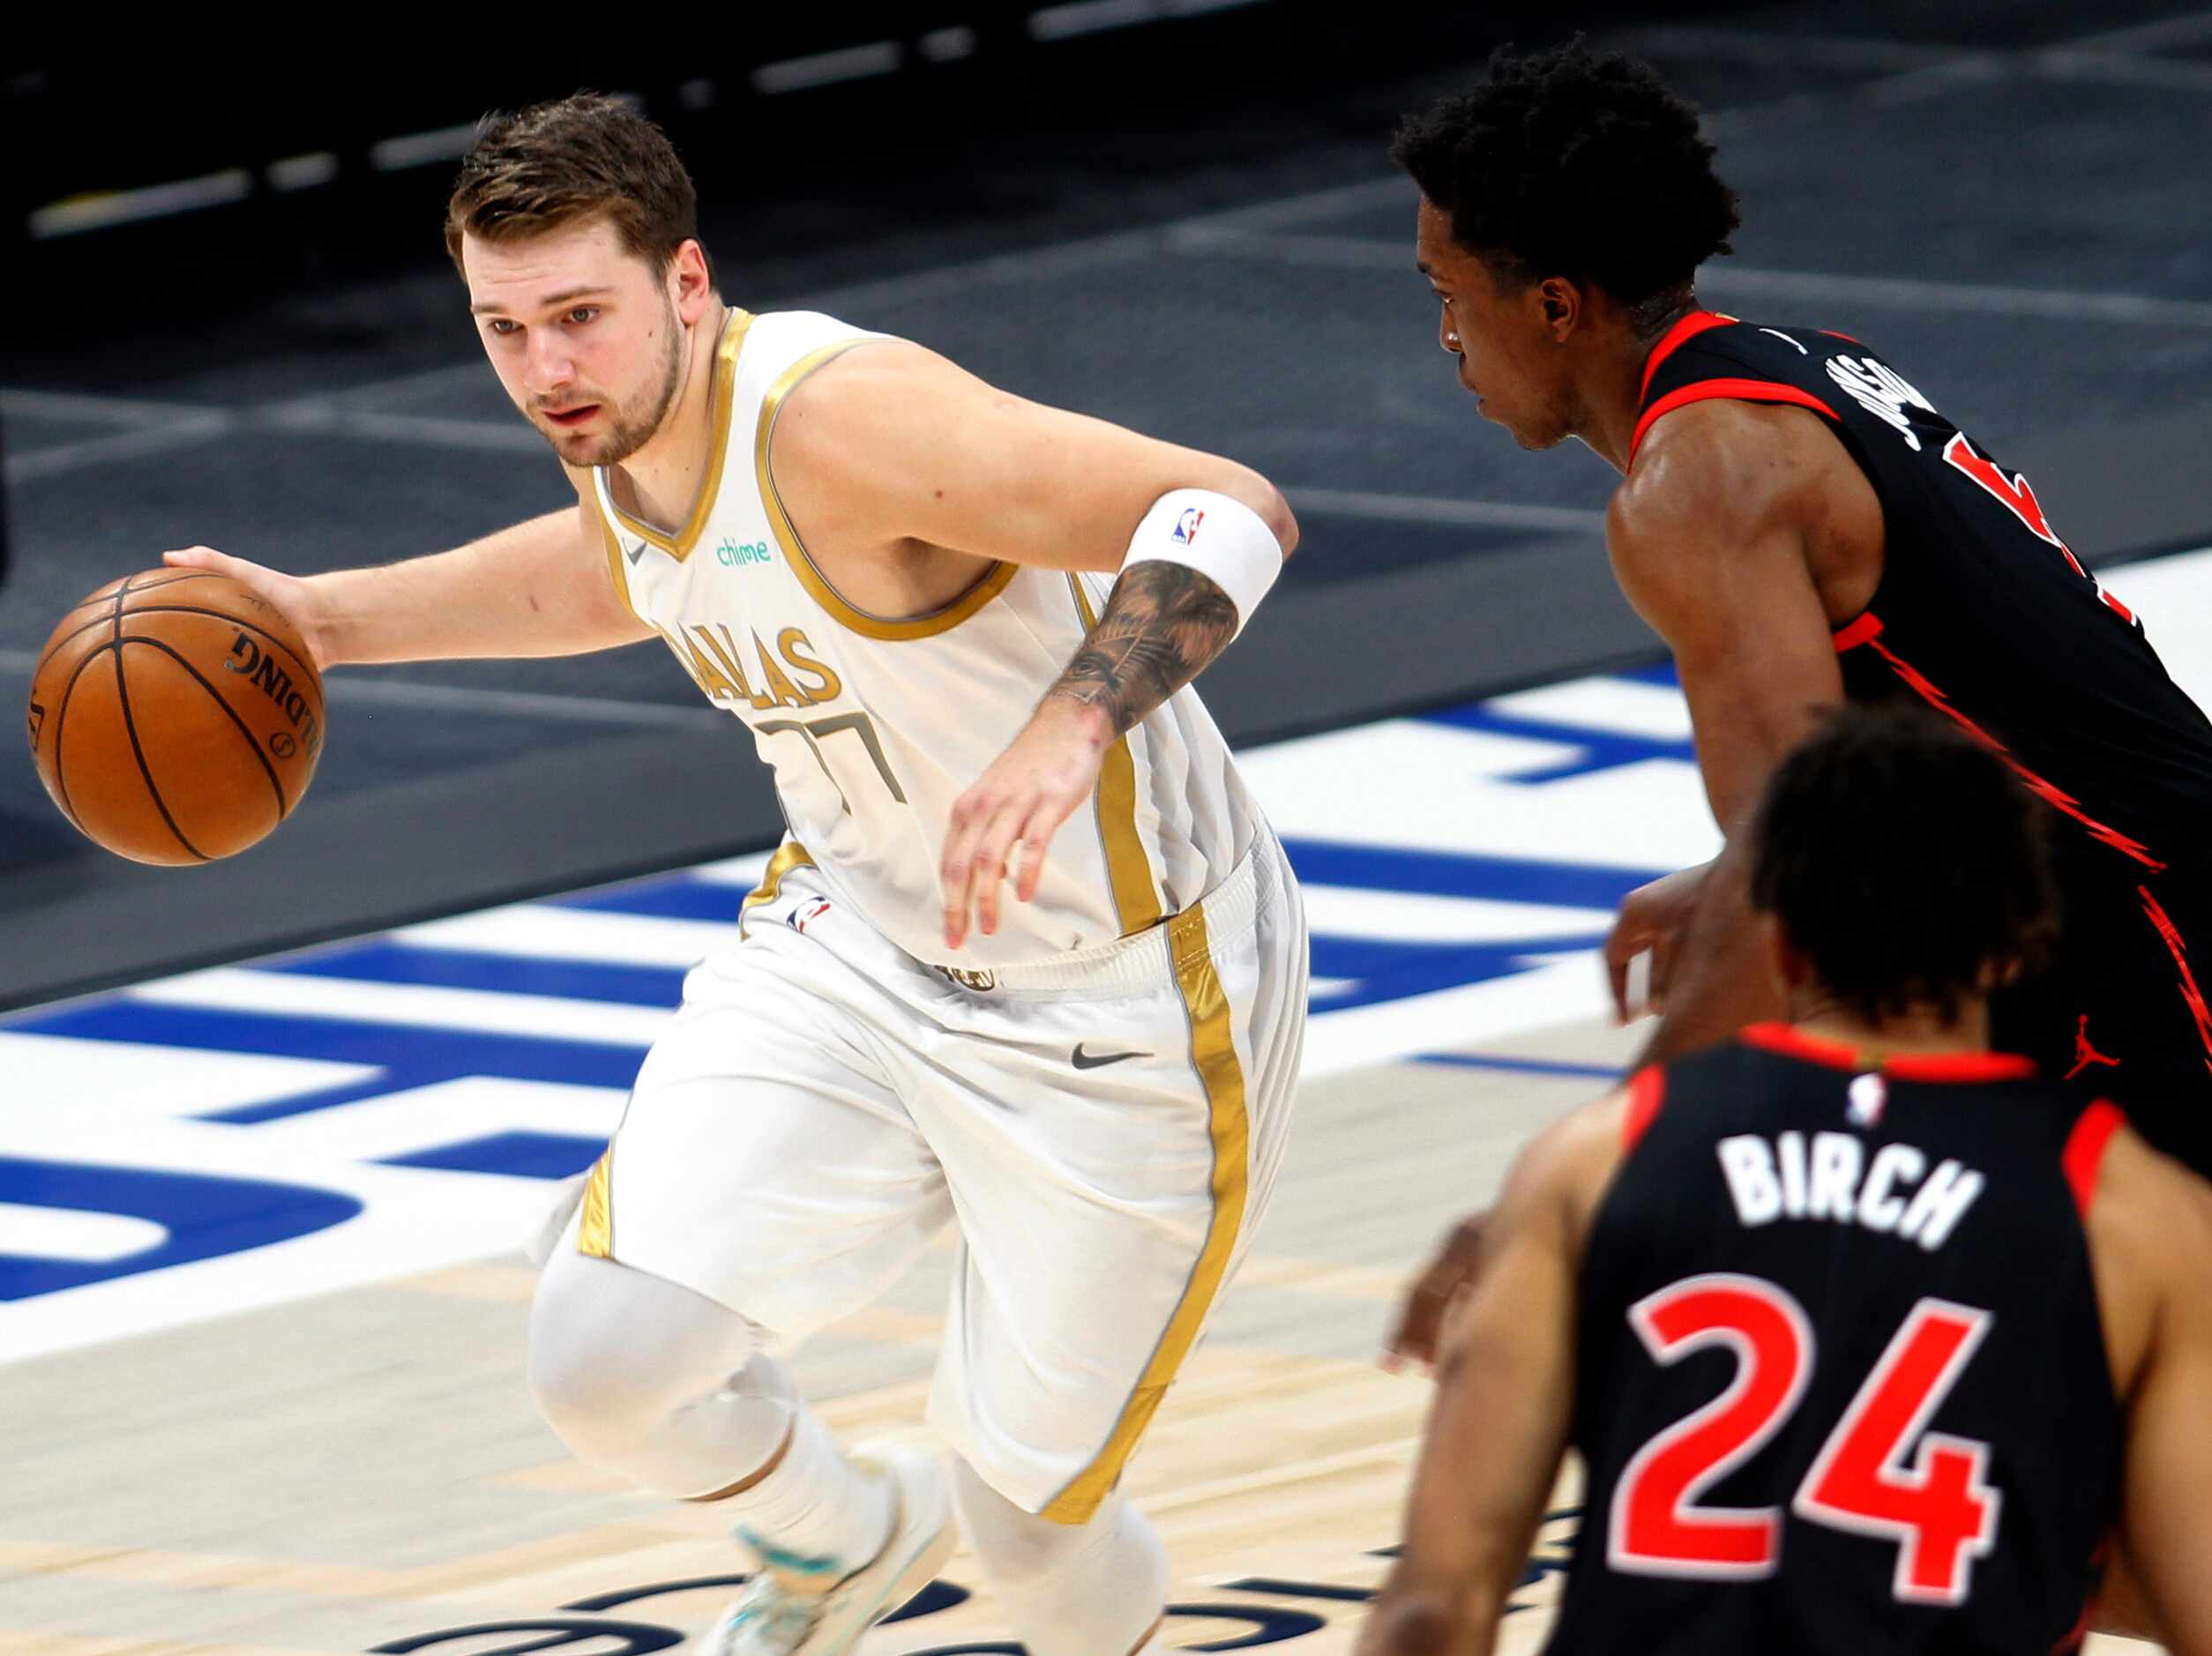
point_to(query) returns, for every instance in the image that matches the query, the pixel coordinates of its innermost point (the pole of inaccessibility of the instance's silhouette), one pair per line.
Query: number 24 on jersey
(1938, 1509)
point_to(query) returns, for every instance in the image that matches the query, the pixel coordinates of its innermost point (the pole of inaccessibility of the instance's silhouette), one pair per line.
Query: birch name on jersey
(1828, 1176)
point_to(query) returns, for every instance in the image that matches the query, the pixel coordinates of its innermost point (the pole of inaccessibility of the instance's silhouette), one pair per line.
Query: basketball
(175, 717)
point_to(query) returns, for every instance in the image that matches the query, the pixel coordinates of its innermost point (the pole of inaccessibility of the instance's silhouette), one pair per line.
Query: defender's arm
(1505, 1389)
(1708, 539)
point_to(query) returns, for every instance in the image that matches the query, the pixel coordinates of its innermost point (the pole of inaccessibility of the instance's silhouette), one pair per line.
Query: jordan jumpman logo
(2084, 1054)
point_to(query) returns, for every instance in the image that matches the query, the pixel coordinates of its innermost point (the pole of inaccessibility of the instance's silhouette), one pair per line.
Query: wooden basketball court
(366, 1470)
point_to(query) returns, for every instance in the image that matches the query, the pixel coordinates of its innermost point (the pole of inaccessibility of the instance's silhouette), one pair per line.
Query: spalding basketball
(175, 717)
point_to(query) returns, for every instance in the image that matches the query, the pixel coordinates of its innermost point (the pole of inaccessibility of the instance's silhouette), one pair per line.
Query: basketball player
(1801, 526)
(1864, 1333)
(954, 620)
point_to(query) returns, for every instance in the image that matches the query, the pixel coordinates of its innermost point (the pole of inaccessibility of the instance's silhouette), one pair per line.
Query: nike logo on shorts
(1083, 1060)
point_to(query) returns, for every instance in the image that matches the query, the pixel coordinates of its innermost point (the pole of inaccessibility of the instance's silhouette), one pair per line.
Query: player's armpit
(1504, 1395)
(892, 442)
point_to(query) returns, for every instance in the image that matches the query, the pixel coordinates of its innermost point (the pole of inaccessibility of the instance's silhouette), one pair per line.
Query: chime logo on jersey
(1186, 526)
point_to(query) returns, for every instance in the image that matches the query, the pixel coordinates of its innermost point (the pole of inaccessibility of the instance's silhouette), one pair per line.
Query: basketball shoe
(817, 1606)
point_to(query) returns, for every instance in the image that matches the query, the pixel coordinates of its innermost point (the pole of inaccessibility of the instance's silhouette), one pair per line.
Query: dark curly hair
(1903, 860)
(1563, 163)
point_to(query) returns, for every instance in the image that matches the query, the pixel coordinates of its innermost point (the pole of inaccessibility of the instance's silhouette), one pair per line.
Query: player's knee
(614, 1354)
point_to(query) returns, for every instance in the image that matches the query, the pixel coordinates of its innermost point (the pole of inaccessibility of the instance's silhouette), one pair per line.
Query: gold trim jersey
(875, 726)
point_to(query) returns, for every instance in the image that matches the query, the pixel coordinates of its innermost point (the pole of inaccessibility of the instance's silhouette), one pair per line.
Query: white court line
(2186, 30)
(2109, 69)
(477, 1011)
(123, 411)
(322, 416)
(135, 444)
(547, 931)
(1368, 253)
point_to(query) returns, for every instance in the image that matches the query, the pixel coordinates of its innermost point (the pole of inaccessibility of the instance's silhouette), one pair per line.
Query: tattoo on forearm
(1163, 622)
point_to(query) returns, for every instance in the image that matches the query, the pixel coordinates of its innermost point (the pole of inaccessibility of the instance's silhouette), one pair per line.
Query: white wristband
(1223, 538)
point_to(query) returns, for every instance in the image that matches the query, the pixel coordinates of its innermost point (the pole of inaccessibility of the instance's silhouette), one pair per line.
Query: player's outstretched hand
(287, 593)
(1413, 1343)
(1003, 826)
(1652, 917)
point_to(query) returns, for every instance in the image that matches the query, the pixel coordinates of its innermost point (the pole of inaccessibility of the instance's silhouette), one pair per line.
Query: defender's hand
(1654, 917)
(288, 593)
(1030, 789)
(1421, 1318)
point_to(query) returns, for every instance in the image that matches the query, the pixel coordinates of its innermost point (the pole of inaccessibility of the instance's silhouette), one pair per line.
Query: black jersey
(1981, 612)
(1840, 1379)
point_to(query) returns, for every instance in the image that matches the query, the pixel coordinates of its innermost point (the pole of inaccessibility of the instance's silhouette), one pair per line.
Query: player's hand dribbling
(1029, 790)
(1652, 917)
(1413, 1343)
(288, 593)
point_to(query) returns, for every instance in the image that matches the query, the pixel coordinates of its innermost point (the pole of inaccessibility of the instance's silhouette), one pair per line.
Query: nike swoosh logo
(1083, 1060)
(636, 552)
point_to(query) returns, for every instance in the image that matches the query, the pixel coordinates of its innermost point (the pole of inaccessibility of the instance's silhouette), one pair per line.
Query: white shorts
(1105, 1127)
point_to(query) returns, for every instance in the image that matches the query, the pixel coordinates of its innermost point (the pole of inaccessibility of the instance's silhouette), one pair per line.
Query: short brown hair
(580, 157)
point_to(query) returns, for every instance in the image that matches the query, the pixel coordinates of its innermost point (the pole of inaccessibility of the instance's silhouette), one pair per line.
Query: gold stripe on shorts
(595, 1229)
(790, 855)
(1128, 870)
(1213, 1054)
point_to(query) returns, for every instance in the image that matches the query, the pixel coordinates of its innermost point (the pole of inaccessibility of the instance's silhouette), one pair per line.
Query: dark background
(233, 323)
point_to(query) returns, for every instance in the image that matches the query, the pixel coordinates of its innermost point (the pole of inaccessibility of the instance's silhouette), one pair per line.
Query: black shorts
(2124, 1009)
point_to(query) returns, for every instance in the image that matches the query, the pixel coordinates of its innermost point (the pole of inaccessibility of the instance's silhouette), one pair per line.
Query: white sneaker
(801, 1607)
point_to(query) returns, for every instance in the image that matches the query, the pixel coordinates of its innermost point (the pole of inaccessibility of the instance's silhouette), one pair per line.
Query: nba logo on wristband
(1186, 526)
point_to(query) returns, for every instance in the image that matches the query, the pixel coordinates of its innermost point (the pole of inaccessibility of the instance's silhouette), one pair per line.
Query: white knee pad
(1093, 1589)
(651, 1380)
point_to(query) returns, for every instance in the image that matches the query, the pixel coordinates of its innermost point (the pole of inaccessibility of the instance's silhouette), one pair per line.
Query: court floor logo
(1256, 1617)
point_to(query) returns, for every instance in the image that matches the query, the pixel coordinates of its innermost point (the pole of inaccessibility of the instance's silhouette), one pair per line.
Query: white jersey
(874, 727)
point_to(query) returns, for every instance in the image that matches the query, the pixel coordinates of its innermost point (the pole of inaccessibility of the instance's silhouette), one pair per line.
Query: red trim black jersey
(1981, 611)
(1841, 1377)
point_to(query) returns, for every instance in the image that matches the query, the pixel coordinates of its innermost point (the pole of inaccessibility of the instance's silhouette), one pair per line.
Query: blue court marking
(681, 897)
(1383, 970)
(403, 1049)
(1520, 1066)
(381, 1084)
(387, 962)
(1601, 749)
(519, 1154)
(1657, 673)
(205, 1215)
(1464, 873)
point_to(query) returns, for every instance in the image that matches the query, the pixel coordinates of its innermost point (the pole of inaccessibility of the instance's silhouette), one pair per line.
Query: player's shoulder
(1563, 1172)
(2148, 1209)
